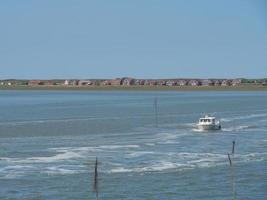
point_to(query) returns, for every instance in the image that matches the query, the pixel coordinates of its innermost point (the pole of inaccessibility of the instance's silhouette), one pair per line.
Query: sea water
(49, 141)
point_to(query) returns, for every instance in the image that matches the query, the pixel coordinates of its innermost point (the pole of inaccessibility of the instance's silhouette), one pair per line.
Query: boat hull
(208, 127)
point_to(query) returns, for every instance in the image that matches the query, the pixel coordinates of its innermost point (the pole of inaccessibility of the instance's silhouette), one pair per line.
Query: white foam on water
(198, 130)
(180, 125)
(146, 162)
(190, 125)
(16, 167)
(58, 157)
(149, 144)
(225, 120)
(251, 157)
(118, 146)
(154, 167)
(185, 161)
(160, 166)
(82, 151)
(207, 162)
(120, 170)
(238, 128)
(75, 149)
(251, 116)
(169, 142)
(59, 170)
(15, 171)
(5, 159)
(163, 162)
(167, 138)
(45, 159)
(88, 118)
(16, 123)
(139, 153)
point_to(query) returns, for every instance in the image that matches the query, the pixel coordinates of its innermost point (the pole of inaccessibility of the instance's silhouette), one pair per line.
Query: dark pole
(96, 179)
(230, 161)
(233, 148)
(232, 170)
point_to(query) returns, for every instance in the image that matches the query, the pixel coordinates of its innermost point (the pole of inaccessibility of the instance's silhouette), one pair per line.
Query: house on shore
(85, 82)
(73, 82)
(137, 82)
(66, 83)
(105, 83)
(171, 83)
(115, 82)
(153, 83)
(162, 83)
(226, 82)
(127, 81)
(182, 82)
(194, 83)
(207, 82)
(236, 82)
(217, 83)
(34, 82)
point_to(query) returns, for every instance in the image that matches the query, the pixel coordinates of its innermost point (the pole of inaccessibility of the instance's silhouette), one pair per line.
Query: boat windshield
(206, 120)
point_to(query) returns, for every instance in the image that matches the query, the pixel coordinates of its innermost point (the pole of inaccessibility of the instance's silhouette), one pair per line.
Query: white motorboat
(208, 123)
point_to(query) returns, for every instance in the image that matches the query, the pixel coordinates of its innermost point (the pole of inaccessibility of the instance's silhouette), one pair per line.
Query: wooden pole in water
(233, 148)
(232, 170)
(156, 111)
(95, 188)
(230, 161)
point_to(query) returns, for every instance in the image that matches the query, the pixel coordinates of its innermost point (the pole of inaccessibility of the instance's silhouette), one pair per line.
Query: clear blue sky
(139, 38)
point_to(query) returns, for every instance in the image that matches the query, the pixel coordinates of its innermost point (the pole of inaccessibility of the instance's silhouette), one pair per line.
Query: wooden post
(233, 148)
(230, 161)
(232, 170)
(95, 187)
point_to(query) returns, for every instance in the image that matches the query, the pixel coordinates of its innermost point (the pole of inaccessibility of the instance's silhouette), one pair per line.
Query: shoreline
(140, 88)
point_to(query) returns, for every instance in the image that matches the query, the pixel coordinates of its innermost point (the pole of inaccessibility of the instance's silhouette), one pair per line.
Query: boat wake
(243, 117)
(239, 128)
(127, 159)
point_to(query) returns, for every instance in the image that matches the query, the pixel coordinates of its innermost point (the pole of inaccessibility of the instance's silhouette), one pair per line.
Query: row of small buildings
(171, 82)
(127, 81)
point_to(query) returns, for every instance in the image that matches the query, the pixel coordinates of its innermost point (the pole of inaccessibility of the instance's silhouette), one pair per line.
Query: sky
(135, 38)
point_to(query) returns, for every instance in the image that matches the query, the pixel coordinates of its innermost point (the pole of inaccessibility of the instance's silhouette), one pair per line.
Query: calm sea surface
(49, 141)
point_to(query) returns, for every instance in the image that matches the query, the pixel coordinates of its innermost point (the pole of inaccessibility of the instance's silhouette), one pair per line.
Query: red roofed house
(34, 82)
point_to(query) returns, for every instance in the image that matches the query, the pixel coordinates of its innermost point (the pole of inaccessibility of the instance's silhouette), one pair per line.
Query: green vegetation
(253, 81)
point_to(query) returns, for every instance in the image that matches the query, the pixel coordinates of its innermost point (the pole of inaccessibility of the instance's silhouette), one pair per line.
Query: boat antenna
(95, 186)
(156, 111)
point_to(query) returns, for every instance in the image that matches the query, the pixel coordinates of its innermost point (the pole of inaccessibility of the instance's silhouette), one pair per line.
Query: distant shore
(141, 88)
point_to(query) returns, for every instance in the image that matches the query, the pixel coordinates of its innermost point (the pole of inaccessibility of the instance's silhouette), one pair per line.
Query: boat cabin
(208, 123)
(207, 120)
